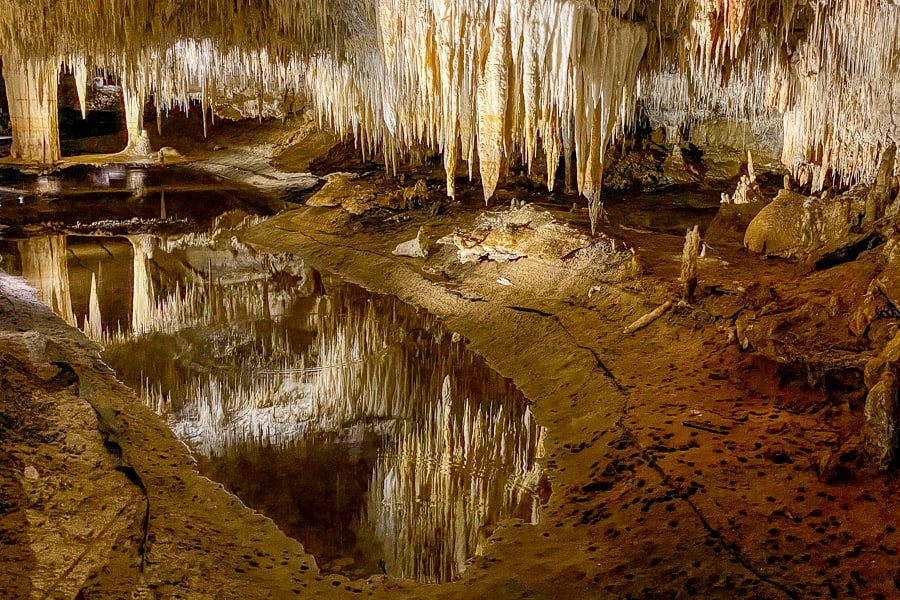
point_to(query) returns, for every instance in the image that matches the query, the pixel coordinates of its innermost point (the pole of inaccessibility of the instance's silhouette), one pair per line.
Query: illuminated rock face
(31, 87)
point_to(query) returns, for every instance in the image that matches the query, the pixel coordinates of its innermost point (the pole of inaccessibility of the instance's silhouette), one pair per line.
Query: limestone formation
(45, 266)
(487, 82)
(133, 101)
(793, 224)
(340, 190)
(93, 321)
(418, 247)
(519, 233)
(883, 419)
(879, 196)
(31, 88)
(689, 264)
(142, 144)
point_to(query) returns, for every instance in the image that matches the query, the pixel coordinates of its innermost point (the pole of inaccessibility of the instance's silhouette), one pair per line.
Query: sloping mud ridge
(719, 451)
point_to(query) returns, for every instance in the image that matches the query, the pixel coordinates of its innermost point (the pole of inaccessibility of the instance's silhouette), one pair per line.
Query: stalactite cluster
(488, 82)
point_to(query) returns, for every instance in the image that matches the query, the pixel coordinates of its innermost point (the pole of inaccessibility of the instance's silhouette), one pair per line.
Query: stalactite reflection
(355, 422)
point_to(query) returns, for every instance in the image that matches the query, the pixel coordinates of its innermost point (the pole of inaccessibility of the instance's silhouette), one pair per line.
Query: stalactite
(80, 73)
(487, 80)
(45, 266)
(143, 302)
(31, 90)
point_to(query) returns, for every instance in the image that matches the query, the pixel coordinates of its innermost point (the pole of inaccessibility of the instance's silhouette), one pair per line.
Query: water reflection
(351, 419)
(80, 196)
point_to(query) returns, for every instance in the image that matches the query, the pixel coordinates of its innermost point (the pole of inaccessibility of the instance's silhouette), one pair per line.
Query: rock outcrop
(794, 225)
(525, 232)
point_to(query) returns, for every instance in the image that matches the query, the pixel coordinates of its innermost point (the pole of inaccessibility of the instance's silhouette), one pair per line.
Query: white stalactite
(31, 92)
(45, 266)
(489, 81)
(80, 73)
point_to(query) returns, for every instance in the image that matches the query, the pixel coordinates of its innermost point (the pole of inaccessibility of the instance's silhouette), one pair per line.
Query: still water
(354, 421)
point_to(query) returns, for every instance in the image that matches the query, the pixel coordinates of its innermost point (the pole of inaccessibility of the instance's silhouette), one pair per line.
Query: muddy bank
(679, 462)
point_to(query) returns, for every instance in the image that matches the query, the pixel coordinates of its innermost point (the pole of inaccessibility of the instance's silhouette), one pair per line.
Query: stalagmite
(689, 264)
(31, 91)
(649, 317)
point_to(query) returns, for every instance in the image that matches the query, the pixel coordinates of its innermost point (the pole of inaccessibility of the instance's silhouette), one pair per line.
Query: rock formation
(31, 87)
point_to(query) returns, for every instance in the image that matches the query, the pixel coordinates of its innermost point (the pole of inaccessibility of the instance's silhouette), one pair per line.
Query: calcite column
(31, 90)
(133, 98)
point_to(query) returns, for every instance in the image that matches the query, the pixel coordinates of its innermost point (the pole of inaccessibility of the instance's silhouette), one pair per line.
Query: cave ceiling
(488, 81)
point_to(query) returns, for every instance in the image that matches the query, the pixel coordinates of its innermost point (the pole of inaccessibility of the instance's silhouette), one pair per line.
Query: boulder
(795, 225)
(418, 247)
(340, 190)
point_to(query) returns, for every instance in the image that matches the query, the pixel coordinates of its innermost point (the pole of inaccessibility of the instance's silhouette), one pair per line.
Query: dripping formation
(492, 83)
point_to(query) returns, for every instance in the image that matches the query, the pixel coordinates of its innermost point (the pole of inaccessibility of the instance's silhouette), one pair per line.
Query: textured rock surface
(793, 224)
(418, 247)
(883, 419)
(518, 233)
(340, 190)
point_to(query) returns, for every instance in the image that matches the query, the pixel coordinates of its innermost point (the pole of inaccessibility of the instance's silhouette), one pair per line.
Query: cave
(449, 299)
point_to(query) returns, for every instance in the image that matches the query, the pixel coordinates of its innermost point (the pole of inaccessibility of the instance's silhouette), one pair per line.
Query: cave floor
(680, 464)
